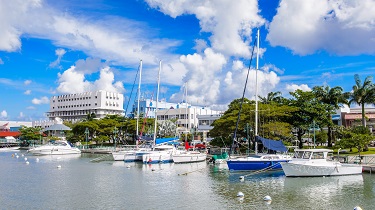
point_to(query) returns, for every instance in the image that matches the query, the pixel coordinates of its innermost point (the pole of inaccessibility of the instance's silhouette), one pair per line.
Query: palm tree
(362, 94)
(333, 98)
(271, 96)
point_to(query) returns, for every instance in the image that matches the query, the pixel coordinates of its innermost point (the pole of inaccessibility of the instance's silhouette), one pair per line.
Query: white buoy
(22, 155)
(242, 178)
(240, 194)
(152, 169)
(27, 162)
(267, 198)
(357, 208)
(37, 159)
(25, 158)
(17, 156)
(15, 153)
(59, 166)
(127, 166)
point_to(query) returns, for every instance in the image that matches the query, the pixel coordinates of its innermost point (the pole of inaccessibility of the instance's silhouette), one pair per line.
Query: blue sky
(57, 47)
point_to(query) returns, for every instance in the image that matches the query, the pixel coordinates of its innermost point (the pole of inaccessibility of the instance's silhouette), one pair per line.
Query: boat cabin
(312, 154)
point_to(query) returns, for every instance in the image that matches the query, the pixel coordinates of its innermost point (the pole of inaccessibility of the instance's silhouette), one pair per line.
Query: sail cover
(272, 144)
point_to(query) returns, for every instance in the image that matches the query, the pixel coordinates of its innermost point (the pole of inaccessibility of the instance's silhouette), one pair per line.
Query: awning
(272, 144)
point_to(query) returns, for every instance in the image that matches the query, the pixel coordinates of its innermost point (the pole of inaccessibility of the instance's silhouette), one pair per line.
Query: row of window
(83, 98)
(175, 116)
(73, 106)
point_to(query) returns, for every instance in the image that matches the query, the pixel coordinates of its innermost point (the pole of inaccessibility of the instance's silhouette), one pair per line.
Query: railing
(363, 159)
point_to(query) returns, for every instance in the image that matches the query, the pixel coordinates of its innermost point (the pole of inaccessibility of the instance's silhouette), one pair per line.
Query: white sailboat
(160, 153)
(189, 156)
(259, 161)
(136, 153)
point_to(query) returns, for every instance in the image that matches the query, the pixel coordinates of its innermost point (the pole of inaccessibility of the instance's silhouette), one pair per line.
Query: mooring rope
(262, 170)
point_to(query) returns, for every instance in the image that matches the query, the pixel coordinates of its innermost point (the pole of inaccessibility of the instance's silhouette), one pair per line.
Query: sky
(50, 48)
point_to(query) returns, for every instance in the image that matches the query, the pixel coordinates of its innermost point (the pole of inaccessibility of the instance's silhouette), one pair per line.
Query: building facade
(75, 107)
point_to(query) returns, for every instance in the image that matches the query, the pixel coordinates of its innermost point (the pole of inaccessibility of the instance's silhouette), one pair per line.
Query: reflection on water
(82, 184)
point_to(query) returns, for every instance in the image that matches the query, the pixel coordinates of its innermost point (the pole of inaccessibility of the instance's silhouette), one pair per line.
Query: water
(81, 184)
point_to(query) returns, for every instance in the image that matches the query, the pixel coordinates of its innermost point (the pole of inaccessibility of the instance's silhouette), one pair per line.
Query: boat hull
(189, 157)
(54, 151)
(307, 170)
(242, 165)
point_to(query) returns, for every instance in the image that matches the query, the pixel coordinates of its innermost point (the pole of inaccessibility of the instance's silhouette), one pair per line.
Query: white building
(75, 107)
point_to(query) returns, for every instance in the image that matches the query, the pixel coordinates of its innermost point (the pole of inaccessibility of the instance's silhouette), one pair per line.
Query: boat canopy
(165, 140)
(272, 144)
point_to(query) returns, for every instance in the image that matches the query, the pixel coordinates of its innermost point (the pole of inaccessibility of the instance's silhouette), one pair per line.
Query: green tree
(333, 98)
(362, 93)
(29, 133)
(272, 97)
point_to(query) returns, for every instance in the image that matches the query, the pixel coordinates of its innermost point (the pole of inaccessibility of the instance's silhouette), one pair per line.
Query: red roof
(10, 133)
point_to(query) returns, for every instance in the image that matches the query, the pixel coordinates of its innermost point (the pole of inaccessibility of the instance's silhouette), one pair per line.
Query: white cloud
(27, 82)
(294, 87)
(73, 81)
(60, 53)
(229, 24)
(27, 92)
(340, 27)
(42, 100)
(3, 114)
(31, 108)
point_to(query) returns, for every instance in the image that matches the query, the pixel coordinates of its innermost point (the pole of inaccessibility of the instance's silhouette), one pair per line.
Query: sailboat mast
(256, 96)
(156, 104)
(139, 98)
(186, 113)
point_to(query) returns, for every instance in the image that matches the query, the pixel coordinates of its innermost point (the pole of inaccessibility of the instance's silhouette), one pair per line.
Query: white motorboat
(58, 147)
(189, 157)
(317, 162)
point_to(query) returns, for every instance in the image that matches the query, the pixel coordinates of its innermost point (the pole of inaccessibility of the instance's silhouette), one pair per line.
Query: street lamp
(87, 136)
(115, 130)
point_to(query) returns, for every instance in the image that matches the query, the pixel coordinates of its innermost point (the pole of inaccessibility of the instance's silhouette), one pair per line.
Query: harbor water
(76, 182)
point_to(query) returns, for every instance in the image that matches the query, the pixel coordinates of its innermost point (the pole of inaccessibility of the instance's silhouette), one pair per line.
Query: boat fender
(357, 208)
(267, 198)
(149, 160)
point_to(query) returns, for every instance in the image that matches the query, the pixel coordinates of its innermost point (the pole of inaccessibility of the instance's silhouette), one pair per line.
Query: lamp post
(87, 136)
(115, 130)
(248, 130)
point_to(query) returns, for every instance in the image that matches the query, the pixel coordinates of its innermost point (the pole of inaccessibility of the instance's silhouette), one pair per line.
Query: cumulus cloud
(42, 100)
(339, 27)
(294, 87)
(229, 24)
(73, 81)
(4, 114)
(60, 53)
(27, 92)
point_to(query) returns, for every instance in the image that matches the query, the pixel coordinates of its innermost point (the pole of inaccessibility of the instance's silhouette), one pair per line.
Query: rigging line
(131, 93)
(243, 96)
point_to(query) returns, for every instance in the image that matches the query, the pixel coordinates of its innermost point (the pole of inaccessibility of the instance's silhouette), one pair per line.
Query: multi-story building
(205, 124)
(353, 117)
(75, 107)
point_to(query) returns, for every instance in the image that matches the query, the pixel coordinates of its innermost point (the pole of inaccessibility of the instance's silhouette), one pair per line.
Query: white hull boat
(55, 148)
(317, 162)
(189, 157)
(160, 154)
(130, 155)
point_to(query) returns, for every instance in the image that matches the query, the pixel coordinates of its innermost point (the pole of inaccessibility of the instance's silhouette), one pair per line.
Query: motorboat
(258, 162)
(58, 147)
(189, 157)
(317, 162)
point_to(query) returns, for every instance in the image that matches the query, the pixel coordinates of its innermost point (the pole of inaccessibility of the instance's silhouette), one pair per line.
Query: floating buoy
(357, 208)
(15, 153)
(37, 159)
(240, 194)
(25, 158)
(127, 166)
(59, 166)
(152, 169)
(58, 158)
(17, 156)
(22, 155)
(267, 198)
(242, 178)
(12, 155)
(27, 162)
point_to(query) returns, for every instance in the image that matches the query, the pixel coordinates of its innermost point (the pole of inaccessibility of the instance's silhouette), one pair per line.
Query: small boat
(160, 154)
(317, 162)
(189, 157)
(58, 147)
(258, 162)
(131, 155)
